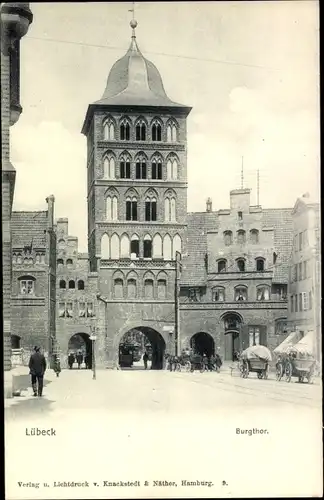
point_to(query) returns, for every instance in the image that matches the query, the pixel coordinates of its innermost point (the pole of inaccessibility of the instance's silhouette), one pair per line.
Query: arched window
(19, 258)
(125, 166)
(167, 247)
(134, 247)
(172, 132)
(259, 264)
(157, 247)
(61, 244)
(147, 247)
(170, 208)
(131, 288)
(80, 285)
(240, 265)
(109, 130)
(228, 238)
(254, 236)
(161, 287)
(172, 168)
(263, 292)
(240, 293)
(15, 341)
(124, 130)
(149, 288)
(150, 208)
(157, 167)
(218, 294)
(14, 258)
(111, 208)
(109, 167)
(221, 266)
(124, 246)
(118, 288)
(140, 165)
(140, 130)
(156, 131)
(176, 245)
(72, 284)
(105, 248)
(69, 263)
(62, 284)
(241, 236)
(27, 285)
(60, 263)
(131, 208)
(114, 249)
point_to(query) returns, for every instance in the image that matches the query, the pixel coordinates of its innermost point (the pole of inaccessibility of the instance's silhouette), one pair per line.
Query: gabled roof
(29, 229)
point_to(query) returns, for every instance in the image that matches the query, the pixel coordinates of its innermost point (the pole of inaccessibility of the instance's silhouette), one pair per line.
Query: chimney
(50, 218)
(209, 205)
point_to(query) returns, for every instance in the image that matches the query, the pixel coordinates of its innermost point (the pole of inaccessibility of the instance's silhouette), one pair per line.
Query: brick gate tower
(137, 203)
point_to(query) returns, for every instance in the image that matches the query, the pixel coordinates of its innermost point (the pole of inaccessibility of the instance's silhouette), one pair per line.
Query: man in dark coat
(71, 360)
(37, 368)
(145, 359)
(79, 358)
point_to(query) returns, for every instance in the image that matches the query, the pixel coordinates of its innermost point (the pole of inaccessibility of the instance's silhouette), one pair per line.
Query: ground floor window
(254, 336)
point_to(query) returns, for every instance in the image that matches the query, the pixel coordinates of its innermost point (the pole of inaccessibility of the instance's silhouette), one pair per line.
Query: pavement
(151, 425)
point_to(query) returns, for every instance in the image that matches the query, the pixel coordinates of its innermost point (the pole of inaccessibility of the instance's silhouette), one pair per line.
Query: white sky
(250, 70)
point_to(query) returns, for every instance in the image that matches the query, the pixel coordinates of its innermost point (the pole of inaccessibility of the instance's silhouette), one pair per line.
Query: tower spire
(133, 22)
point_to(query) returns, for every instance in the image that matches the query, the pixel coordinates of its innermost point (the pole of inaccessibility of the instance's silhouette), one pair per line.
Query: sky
(250, 71)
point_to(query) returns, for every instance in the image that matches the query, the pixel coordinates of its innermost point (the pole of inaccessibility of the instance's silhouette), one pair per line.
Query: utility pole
(176, 304)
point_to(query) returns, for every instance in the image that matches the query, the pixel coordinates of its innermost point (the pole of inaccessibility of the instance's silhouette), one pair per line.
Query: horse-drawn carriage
(191, 362)
(296, 360)
(255, 359)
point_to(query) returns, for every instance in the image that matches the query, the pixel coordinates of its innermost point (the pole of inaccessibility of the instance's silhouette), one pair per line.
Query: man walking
(37, 368)
(145, 359)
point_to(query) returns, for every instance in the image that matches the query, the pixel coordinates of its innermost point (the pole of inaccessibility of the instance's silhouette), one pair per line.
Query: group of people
(80, 358)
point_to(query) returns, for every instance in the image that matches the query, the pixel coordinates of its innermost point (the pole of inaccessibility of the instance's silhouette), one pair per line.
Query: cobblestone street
(157, 425)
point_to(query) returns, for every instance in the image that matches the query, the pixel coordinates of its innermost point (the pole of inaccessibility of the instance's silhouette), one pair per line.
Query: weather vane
(133, 22)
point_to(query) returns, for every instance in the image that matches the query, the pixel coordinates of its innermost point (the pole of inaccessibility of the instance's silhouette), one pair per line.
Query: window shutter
(305, 301)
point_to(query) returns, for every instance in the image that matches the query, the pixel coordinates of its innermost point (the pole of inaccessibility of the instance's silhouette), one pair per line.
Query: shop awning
(306, 344)
(289, 341)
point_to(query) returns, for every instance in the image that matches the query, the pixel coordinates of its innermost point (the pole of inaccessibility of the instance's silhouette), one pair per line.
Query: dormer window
(221, 266)
(260, 265)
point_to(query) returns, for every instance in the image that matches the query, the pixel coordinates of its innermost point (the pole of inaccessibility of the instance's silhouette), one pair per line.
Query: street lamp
(93, 339)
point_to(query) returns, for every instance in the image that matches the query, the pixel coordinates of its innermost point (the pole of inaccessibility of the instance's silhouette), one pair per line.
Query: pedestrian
(71, 360)
(57, 365)
(145, 359)
(79, 359)
(37, 368)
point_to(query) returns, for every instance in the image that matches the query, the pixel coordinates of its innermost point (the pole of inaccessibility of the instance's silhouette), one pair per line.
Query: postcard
(161, 250)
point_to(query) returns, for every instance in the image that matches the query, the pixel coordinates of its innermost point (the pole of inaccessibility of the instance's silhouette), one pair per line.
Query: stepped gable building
(137, 201)
(76, 290)
(33, 294)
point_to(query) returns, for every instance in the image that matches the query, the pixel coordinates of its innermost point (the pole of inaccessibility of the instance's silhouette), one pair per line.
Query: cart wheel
(310, 377)
(246, 371)
(279, 372)
(187, 366)
(178, 367)
(288, 372)
(202, 368)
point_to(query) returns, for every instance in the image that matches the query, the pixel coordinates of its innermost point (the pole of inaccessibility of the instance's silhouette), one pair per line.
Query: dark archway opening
(232, 327)
(203, 343)
(80, 343)
(135, 342)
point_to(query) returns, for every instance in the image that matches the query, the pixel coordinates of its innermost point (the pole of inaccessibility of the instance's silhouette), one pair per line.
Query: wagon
(292, 364)
(297, 361)
(183, 363)
(197, 363)
(255, 359)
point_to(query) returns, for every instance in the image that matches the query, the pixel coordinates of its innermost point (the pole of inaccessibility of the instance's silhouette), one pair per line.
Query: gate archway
(81, 342)
(203, 343)
(153, 342)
